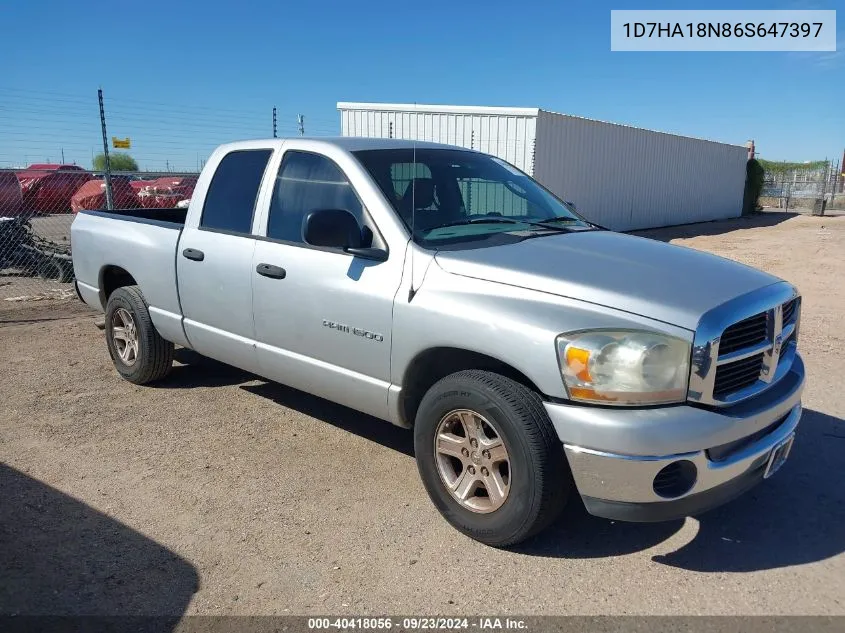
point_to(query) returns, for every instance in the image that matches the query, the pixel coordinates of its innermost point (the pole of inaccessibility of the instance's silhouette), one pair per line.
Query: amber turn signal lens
(576, 360)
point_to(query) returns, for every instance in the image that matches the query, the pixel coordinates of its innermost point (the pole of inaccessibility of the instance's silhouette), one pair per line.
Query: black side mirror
(335, 228)
(338, 228)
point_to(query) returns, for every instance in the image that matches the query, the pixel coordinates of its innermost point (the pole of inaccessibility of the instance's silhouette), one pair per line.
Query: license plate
(778, 456)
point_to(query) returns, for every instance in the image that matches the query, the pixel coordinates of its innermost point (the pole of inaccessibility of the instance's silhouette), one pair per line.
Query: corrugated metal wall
(506, 133)
(629, 178)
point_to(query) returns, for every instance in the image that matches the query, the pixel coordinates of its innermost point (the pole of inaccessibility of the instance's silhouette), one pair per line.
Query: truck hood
(661, 281)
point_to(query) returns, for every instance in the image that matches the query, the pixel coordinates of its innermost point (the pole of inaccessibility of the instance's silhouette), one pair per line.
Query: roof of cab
(348, 143)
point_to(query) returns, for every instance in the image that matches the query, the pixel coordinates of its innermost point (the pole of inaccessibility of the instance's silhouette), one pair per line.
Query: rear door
(214, 261)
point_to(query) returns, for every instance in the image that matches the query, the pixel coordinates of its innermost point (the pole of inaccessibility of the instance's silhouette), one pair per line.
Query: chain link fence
(815, 191)
(52, 162)
(37, 206)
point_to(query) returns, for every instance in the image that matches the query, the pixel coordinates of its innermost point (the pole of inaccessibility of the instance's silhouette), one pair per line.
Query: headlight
(624, 367)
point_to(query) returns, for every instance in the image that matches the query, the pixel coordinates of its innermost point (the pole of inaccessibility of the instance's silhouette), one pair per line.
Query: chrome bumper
(615, 454)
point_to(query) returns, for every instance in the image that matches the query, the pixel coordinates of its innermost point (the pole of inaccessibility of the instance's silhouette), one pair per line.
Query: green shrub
(117, 161)
(754, 174)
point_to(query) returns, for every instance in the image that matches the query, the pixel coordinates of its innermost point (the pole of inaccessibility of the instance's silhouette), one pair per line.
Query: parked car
(533, 353)
(92, 195)
(11, 200)
(47, 188)
(167, 192)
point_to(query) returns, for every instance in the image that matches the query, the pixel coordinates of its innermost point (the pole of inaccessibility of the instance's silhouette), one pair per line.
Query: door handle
(192, 253)
(268, 270)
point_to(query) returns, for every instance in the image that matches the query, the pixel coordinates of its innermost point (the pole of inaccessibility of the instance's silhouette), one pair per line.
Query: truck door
(214, 262)
(322, 317)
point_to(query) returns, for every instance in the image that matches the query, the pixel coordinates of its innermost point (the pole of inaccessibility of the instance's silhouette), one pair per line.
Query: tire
(537, 474)
(153, 356)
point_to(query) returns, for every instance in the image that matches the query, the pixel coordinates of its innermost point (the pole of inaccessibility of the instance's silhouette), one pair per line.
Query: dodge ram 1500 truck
(532, 352)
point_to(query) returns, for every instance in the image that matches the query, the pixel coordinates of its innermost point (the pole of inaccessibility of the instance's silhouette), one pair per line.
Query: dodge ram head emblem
(777, 345)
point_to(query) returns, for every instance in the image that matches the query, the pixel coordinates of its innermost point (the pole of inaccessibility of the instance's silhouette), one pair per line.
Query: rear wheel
(137, 350)
(489, 457)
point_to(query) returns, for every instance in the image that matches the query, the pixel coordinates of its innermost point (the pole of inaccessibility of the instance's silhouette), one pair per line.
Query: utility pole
(300, 120)
(274, 121)
(63, 156)
(109, 199)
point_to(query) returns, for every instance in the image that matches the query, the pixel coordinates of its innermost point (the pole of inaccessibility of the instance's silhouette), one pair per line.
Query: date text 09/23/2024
(423, 623)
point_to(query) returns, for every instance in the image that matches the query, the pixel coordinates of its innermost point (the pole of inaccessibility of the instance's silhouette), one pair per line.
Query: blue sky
(181, 77)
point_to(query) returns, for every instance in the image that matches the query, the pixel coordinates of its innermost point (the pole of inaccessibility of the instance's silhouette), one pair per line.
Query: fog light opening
(675, 480)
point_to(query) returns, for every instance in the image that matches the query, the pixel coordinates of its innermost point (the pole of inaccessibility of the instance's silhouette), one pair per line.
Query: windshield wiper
(564, 218)
(501, 220)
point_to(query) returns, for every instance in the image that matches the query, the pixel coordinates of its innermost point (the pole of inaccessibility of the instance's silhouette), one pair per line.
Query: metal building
(620, 176)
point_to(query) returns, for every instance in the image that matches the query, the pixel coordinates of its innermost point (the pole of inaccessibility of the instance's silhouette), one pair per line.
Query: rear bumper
(615, 460)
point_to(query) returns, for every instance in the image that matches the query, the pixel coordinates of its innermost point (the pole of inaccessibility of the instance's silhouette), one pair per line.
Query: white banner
(727, 30)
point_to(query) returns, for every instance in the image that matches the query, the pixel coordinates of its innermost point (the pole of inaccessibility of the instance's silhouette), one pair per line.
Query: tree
(117, 161)
(754, 175)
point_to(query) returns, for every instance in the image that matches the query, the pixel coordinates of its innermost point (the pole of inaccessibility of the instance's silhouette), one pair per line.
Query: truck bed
(170, 216)
(140, 243)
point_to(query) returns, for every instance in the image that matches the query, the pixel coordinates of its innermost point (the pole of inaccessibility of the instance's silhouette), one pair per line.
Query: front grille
(745, 333)
(789, 311)
(737, 375)
(735, 361)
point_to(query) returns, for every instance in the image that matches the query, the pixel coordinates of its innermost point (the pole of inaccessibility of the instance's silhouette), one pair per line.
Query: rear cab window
(230, 200)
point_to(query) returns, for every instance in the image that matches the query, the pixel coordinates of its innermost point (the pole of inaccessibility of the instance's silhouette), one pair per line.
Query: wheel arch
(432, 364)
(111, 278)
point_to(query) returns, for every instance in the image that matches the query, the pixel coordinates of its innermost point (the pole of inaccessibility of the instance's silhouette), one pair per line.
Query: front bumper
(615, 454)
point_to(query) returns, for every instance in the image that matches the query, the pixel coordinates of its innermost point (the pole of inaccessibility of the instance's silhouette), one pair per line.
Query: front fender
(513, 325)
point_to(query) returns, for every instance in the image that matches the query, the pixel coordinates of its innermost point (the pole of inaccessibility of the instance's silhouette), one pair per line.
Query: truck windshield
(454, 197)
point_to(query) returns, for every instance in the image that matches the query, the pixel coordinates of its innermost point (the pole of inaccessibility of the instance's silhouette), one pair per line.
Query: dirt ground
(218, 493)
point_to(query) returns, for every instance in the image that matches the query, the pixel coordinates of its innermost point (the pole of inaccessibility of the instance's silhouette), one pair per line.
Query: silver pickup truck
(532, 352)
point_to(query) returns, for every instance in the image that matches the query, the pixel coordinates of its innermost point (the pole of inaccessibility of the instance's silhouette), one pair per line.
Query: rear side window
(230, 201)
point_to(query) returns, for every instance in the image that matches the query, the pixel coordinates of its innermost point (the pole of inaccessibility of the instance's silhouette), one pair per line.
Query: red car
(166, 192)
(47, 188)
(92, 195)
(11, 201)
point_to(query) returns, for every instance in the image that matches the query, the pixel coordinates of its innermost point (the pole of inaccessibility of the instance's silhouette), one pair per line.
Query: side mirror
(335, 228)
(338, 228)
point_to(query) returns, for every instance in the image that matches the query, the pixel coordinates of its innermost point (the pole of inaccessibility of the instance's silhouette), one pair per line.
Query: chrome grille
(737, 375)
(746, 333)
(789, 311)
(744, 345)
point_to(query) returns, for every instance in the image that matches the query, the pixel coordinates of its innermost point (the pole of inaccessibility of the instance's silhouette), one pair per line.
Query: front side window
(451, 197)
(305, 183)
(230, 200)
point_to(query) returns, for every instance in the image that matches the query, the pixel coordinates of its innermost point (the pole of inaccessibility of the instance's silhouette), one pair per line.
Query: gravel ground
(218, 493)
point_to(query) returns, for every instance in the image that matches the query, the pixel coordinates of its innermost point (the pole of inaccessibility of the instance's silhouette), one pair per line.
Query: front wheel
(489, 457)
